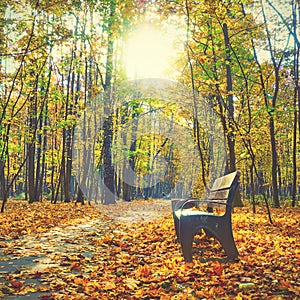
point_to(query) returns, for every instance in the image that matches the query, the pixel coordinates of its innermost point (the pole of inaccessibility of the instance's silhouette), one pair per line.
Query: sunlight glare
(148, 53)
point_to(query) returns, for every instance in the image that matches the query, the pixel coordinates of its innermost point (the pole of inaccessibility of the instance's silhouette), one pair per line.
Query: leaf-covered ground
(129, 251)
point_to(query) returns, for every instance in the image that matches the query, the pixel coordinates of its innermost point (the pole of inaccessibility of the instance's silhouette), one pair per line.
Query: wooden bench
(213, 215)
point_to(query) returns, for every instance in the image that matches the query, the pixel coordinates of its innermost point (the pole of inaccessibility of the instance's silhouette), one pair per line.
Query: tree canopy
(59, 60)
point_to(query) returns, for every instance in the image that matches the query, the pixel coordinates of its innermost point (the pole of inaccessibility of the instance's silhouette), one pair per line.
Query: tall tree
(109, 173)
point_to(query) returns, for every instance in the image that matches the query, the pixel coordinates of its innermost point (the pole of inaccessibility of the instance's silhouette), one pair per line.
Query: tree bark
(230, 136)
(109, 172)
(296, 101)
(31, 149)
(3, 193)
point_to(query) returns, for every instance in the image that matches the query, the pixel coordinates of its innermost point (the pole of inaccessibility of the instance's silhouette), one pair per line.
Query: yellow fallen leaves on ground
(21, 218)
(103, 255)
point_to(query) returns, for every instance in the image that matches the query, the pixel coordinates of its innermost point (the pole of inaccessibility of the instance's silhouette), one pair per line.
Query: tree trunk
(230, 133)
(274, 164)
(31, 150)
(109, 179)
(296, 99)
(272, 108)
(252, 186)
(3, 193)
(80, 196)
(30, 174)
(109, 172)
(230, 136)
(38, 173)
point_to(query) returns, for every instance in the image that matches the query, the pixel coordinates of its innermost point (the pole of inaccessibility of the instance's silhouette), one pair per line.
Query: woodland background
(57, 57)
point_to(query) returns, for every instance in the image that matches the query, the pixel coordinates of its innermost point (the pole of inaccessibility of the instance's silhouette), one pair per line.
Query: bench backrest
(219, 201)
(224, 189)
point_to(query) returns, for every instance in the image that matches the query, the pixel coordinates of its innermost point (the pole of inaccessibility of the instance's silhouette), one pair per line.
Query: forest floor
(129, 251)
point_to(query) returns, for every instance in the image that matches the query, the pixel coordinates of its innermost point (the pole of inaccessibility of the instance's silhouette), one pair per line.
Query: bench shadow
(202, 250)
(214, 259)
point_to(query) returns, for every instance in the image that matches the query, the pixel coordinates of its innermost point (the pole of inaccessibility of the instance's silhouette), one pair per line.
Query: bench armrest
(178, 204)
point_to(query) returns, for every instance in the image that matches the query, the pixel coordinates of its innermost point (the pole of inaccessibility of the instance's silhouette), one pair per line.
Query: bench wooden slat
(219, 195)
(224, 182)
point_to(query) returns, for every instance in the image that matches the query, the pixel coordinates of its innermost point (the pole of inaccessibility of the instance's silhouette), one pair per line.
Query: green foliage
(53, 65)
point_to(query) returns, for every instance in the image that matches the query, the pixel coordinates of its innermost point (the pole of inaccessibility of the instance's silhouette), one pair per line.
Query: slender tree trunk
(31, 150)
(68, 165)
(30, 174)
(53, 144)
(43, 162)
(3, 193)
(230, 133)
(66, 139)
(109, 172)
(272, 111)
(38, 173)
(3, 196)
(296, 99)
(252, 186)
(126, 195)
(4, 159)
(230, 136)
(196, 121)
(294, 158)
(43, 139)
(275, 190)
(109, 181)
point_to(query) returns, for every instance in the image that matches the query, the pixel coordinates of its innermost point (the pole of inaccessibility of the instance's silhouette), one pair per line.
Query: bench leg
(228, 244)
(186, 242)
(176, 225)
(176, 205)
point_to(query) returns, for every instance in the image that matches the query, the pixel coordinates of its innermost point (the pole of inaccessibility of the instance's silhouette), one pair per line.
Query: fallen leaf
(131, 283)
(16, 284)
